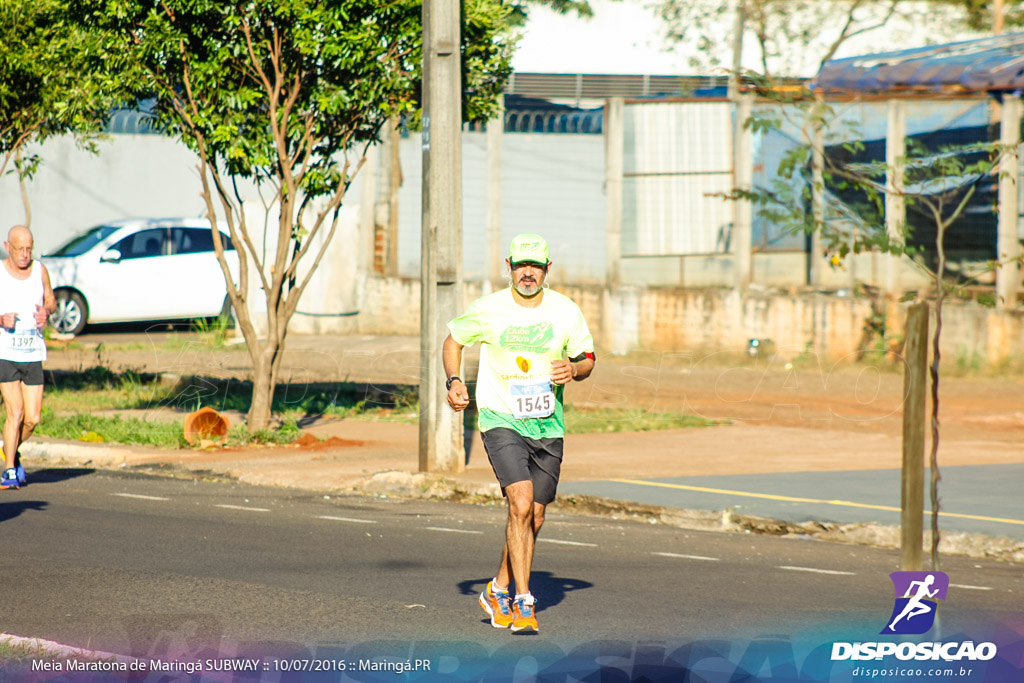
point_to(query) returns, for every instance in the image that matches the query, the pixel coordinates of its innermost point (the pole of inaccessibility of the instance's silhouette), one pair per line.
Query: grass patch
(20, 656)
(590, 420)
(99, 389)
(99, 429)
(72, 397)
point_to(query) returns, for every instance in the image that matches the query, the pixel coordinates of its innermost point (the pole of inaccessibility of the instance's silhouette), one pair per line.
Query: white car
(143, 269)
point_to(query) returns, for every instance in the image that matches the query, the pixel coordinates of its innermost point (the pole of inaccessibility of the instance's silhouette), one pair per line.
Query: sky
(626, 37)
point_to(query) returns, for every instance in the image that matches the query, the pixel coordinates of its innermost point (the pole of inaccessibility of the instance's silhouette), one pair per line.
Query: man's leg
(32, 399)
(15, 407)
(519, 533)
(504, 575)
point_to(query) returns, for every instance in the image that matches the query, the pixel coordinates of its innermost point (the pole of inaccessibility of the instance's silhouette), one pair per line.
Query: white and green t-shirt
(514, 388)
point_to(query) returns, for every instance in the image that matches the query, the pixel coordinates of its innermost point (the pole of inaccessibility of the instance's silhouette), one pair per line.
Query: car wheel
(71, 313)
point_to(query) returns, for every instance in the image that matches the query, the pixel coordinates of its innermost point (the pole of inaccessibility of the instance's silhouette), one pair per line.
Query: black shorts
(516, 458)
(30, 373)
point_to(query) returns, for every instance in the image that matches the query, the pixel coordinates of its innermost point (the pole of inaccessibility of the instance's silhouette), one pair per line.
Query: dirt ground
(813, 416)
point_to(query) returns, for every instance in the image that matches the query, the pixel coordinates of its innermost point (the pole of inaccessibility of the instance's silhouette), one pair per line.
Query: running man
(916, 606)
(26, 302)
(527, 333)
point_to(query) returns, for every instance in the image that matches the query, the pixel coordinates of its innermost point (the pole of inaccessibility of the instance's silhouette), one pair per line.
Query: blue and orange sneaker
(497, 604)
(523, 619)
(9, 479)
(22, 479)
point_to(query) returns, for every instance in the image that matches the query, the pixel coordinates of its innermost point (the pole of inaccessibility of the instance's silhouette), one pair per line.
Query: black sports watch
(448, 382)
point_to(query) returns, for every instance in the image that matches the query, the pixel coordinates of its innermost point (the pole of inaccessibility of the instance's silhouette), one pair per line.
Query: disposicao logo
(917, 596)
(913, 613)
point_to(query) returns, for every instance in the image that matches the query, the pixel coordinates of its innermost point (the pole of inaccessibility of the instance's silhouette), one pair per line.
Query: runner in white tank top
(26, 302)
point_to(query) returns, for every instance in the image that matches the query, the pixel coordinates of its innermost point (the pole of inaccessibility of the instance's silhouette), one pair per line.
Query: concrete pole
(614, 153)
(895, 202)
(495, 260)
(1008, 250)
(743, 179)
(441, 433)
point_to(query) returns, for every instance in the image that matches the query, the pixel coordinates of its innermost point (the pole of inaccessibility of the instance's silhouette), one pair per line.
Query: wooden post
(816, 262)
(495, 260)
(440, 433)
(1008, 243)
(915, 382)
(614, 136)
(895, 202)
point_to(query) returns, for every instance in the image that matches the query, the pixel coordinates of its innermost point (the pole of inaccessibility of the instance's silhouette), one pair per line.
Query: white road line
(139, 496)
(970, 588)
(689, 557)
(348, 519)
(818, 571)
(555, 540)
(239, 507)
(454, 531)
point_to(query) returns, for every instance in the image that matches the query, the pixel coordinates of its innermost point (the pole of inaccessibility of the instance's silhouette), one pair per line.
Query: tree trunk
(262, 392)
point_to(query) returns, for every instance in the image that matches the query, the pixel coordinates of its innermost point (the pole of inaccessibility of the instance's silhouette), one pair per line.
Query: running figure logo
(917, 596)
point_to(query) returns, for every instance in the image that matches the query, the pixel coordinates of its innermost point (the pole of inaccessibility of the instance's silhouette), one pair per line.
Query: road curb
(422, 486)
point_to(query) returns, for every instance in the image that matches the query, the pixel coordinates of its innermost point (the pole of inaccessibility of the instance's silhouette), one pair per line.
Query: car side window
(143, 244)
(195, 240)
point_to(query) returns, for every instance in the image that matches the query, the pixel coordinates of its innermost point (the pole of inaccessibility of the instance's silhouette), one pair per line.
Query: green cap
(528, 248)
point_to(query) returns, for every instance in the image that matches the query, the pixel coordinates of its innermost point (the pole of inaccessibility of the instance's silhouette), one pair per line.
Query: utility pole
(441, 433)
(998, 12)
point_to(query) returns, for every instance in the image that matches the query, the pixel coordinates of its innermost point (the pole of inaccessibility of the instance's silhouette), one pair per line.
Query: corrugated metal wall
(678, 156)
(551, 184)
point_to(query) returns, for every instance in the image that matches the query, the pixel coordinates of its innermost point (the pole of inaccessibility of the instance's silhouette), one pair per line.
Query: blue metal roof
(972, 66)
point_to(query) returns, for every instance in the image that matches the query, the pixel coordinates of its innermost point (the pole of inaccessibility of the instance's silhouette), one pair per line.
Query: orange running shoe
(523, 619)
(497, 604)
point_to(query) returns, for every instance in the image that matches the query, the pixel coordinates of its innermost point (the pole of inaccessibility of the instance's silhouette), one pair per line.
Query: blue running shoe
(22, 479)
(9, 479)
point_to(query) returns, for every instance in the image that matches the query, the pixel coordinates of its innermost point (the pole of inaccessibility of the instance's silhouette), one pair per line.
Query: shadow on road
(549, 589)
(54, 475)
(9, 511)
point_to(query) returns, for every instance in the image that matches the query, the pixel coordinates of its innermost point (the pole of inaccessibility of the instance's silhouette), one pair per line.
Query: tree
(793, 36)
(51, 83)
(284, 95)
(939, 185)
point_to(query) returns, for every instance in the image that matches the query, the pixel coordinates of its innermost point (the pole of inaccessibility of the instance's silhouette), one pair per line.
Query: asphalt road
(157, 567)
(974, 498)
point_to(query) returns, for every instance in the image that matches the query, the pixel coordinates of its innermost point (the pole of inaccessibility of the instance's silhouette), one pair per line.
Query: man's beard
(524, 288)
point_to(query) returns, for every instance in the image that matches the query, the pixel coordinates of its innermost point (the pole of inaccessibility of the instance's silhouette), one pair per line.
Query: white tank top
(25, 343)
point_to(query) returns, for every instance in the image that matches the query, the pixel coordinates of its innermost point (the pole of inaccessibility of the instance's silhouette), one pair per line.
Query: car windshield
(82, 243)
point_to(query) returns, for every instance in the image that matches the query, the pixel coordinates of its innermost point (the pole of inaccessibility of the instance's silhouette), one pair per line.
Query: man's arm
(49, 300)
(451, 356)
(578, 368)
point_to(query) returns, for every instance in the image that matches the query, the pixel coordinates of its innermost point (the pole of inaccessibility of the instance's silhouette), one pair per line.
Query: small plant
(213, 331)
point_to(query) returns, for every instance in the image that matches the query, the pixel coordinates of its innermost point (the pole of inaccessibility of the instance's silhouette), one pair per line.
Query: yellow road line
(794, 499)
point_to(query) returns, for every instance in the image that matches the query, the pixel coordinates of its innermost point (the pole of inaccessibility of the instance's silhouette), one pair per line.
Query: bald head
(18, 232)
(19, 246)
